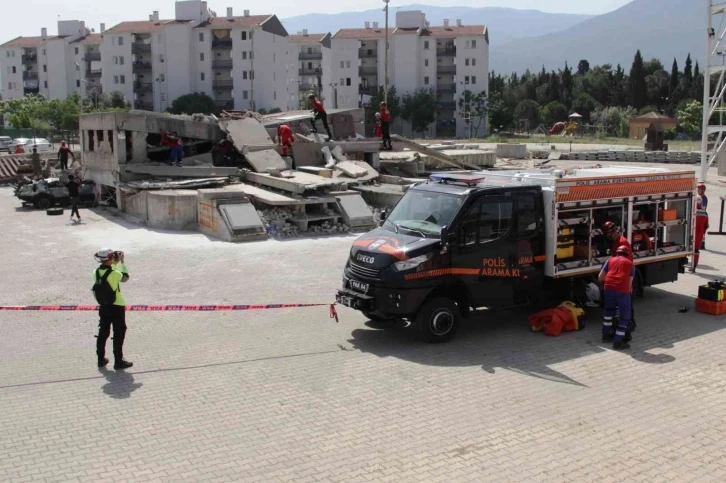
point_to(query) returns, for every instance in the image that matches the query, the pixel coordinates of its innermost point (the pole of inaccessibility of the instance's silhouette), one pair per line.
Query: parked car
(14, 144)
(41, 144)
(5, 142)
(46, 193)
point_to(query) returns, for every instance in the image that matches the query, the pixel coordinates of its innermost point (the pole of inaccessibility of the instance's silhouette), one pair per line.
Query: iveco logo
(365, 259)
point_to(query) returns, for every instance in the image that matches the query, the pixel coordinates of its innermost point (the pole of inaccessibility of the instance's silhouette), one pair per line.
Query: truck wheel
(380, 321)
(42, 202)
(438, 320)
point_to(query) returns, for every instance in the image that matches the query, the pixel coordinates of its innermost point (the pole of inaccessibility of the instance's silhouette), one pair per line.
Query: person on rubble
(63, 153)
(704, 205)
(379, 129)
(112, 271)
(617, 275)
(701, 228)
(176, 148)
(35, 161)
(319, 113)
(285, 139)
(386, 126)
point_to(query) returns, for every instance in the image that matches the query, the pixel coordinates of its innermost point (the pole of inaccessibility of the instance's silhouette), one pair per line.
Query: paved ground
(289, 395)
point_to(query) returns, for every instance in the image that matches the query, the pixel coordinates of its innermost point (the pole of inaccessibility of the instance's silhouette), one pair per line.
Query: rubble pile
(278, 225)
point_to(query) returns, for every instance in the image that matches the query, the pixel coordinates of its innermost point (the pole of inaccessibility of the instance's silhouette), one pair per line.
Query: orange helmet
(608, 226)
(623, 250)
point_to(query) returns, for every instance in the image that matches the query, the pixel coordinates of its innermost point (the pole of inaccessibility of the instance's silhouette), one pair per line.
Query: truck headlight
(406, 265)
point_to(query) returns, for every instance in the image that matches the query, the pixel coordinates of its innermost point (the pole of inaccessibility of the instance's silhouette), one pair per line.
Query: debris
(170, 185)
(350, 169)
(329, 161)
(261, 161)
(324, 172)
(414, 146)
(337, 153)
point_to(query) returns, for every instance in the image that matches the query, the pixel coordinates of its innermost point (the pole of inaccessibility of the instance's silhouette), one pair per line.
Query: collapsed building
(235, 185)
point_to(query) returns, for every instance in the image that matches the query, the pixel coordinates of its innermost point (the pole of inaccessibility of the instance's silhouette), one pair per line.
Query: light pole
(385, 68)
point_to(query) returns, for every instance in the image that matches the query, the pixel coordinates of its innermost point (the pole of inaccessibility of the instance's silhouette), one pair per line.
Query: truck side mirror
(383, 215)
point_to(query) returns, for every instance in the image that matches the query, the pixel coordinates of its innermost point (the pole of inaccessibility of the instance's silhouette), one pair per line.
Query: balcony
(310, 56)
(225, 104)
(29, 58)
(93, 72)
(91, 56)
(144, 106)
(142, 87)
(31, 90)
(140, 65)
(222, 64)
(139, 48)
(222, 44)
(367, 53)
(446, 88)
(27, 75)
(367, 90)
(307, 87)
(314, 71)
(223, 84)
(446, 69)
(446, 105)
(447, 51)
(368, 70)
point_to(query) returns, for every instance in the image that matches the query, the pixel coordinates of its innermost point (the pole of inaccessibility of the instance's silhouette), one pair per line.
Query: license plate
(359, 286)
(347, 301)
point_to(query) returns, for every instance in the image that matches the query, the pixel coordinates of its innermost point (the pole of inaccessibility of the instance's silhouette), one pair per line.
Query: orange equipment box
(666, 215)
(708, 307)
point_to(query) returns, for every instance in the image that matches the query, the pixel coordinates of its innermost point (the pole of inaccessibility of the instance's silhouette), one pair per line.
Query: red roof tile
(140, 27)
(353, 34)
(236, 22)
(26, 42)
(305, 39)
(455, 31)
(89, 39)
(406, 31)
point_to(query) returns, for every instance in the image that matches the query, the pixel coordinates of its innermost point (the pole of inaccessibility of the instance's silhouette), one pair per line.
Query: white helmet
(593, 292)
(103, 255)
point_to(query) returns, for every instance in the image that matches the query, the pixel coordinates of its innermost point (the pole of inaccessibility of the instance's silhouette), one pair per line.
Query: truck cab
(454, 243)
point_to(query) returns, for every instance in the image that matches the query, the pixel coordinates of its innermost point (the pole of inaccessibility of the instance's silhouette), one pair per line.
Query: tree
(613, 121)
(117, 100)
(583, 67)
(657, 87)
(690, 117)
(687, 80)
(394, 101)
(419, 109)
(528, 110)
(638, 90)
(697, 87)
(568, 84)
(584, 105)
(197, 102)
(478, 106)
(675, 78)
(554, 112)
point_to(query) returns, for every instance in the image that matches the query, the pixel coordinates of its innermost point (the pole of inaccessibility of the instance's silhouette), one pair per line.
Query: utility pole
(385, 68)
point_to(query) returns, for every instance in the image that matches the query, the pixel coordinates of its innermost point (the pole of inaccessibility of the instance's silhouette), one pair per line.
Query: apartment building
(304, 66)
(449, 59)
(47, 65)
(153, 62)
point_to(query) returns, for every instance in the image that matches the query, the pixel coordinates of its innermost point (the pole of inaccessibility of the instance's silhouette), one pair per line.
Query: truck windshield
(423, 213)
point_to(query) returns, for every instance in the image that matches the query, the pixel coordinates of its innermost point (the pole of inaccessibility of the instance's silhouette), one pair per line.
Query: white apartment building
(304, 66)
(155, 61)
(449, 59)
(54, 66)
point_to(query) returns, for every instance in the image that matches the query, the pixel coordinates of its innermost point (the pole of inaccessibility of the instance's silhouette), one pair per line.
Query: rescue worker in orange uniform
(701, 227)
(704, 205)
(386, 126)
(319, 113)
(617, 275)
(610, 230)
(285, 139)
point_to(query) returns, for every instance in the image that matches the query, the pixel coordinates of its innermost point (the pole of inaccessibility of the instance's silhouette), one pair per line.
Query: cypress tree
(638, 90)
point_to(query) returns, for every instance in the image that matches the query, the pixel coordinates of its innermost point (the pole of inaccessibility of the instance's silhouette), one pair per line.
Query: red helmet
(623, 250)
(609, 226)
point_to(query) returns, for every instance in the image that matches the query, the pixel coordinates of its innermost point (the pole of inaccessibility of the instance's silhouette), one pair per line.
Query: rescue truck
(497, 239)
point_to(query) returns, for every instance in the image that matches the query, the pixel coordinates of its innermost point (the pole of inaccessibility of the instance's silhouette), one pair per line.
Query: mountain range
(530, 39)
(506, 24)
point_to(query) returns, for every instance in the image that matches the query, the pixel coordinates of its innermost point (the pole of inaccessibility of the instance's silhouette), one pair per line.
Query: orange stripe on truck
(442, 272)
(624, 190)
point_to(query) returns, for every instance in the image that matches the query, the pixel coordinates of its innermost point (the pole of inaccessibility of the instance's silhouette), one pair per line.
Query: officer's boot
(607, 329)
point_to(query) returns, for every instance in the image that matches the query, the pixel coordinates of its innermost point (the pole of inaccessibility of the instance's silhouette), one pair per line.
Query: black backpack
(102, 290)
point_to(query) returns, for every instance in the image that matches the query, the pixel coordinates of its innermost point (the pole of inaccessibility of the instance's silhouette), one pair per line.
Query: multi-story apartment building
(47, 65)
(304, 66)
(154, 62)
(86, 54)
(449, 59)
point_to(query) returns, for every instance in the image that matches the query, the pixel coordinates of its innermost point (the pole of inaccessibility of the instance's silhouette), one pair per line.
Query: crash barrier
(166, 308)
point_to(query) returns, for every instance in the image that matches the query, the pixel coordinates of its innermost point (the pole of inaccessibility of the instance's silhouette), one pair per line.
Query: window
(467, 44)
(90, 141)
(347, 64)
(495, 220)
(162, 77)
(161, 58)
(473, 79)
(115, 79)
(76, 50)
(121, 60)
(78, 83)
(122, 79)
(201, 57)
(244, 55)
(342, 64)
(426, 62)
(526, 214)
(473, 44)
(252, 74)
(110, 139)
(202, 76)
(466, 62)
(468, 225)
(244, 35)
(244, 94)
(120, 41)
(78, 67)
(347, 81)
(473, 62)
(426, 45)
(115, 60)
(252, 55)
(15, 70)
(342, 81)
(466, 80)
(99, 136)
(45, 68)
(244, 74)
(201, 36)
(426, 80)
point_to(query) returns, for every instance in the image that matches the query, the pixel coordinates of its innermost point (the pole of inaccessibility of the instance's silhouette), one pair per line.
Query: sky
(46, 13)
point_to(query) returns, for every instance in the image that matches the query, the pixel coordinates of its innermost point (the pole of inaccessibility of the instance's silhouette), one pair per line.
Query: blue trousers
(176, 154)
(622, 303)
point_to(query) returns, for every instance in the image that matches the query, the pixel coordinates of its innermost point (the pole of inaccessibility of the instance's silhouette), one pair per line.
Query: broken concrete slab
(381, 195)
(431, 153)
(249, 131)
(370, 175)
(338, 155)
(354, 210)
(350, 169)
(261, 161)
(316, 170)
(298, 184)
(163, 171)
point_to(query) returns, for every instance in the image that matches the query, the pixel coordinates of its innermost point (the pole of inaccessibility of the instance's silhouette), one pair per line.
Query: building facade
(449, 60)
(304, 67)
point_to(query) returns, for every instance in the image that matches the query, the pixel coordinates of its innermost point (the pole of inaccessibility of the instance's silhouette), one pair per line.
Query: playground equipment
(564, 129)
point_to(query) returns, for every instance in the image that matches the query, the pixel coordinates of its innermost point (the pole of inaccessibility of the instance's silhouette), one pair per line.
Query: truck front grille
(364, 272)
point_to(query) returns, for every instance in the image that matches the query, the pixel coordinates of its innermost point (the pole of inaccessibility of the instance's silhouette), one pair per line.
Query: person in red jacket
(617, 275)
(285, 138)
(704, 206)
(319, 113)
(176, 148)
(386, 126)
(701, 227)
(617, 239)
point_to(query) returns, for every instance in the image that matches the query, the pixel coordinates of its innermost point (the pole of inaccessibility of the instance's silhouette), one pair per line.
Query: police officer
(617, 275)
(112, 315)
